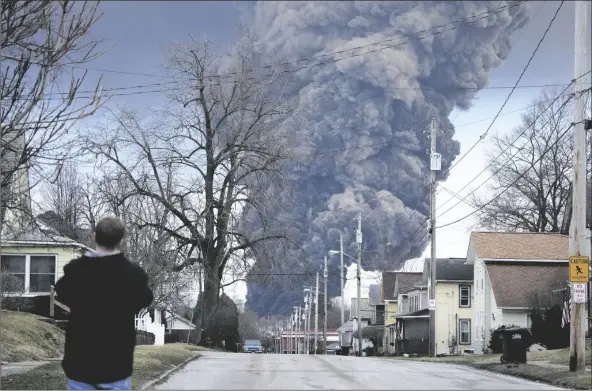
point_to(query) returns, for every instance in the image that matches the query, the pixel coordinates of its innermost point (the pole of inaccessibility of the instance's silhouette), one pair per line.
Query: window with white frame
(36, 273)
(464, 331)
(464, 296)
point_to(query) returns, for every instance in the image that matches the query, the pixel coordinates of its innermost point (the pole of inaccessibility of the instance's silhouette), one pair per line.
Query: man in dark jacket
(104, 291)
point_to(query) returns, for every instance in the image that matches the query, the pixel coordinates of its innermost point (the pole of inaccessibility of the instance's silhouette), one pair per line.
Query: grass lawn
(150, 362)
(554, 376)
(558, 356)
(25, 337)
(560, 377)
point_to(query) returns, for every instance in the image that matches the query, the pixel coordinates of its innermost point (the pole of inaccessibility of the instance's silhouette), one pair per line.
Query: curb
(168, 373)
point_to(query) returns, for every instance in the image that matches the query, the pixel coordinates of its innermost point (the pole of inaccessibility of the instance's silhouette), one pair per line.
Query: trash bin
(345, 350)
(515, 343)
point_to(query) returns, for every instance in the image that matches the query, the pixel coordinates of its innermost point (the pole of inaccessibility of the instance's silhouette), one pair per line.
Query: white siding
(424, 300)
(487, 315)
(515, 317)
(180, 325)
(479, 325)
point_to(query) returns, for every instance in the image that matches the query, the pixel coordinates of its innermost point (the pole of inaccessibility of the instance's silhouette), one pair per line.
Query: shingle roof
(514, 283)
(406, 280)
(388, 285)
(450, 269)
(35, 234)
(374, 294)
(520, 245)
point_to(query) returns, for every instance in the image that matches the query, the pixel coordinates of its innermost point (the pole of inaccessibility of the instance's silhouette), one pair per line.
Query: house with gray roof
(511, 268)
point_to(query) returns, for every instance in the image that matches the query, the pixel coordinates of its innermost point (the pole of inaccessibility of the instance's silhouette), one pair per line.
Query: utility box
(435, 161)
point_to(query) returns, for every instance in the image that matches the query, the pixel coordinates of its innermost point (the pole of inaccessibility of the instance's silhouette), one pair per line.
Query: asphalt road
(276, 372)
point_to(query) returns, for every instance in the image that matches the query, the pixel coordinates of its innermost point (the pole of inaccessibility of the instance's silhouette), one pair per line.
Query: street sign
(432, 305)
(578, 269)
(579, 290)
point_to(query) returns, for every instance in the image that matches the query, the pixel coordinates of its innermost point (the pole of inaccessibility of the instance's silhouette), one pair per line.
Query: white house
(509, 268)
(177, 322)
(161, 322)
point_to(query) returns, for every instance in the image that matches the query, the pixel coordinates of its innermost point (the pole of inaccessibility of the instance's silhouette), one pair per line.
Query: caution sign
(578, 269)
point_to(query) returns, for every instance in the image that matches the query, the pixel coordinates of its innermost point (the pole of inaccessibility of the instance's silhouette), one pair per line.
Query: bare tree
(217, 142)
(249, 325)
(146, 242)
(63, 199)
(39, 41)
(535, 166)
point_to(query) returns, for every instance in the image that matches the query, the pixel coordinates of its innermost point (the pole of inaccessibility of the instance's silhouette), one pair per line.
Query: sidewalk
(14, 368)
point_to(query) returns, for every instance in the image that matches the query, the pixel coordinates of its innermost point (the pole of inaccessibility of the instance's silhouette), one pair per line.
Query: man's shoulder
(134, 267)
(74, 264)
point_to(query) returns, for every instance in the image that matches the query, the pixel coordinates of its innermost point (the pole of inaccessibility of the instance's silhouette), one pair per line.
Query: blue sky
(140, 32)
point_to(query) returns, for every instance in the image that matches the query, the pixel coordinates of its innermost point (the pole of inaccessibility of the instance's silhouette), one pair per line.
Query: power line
(482, 137)
(502, 153)
(66, 95)
(483, 15)
(503, 105)
(511, 184)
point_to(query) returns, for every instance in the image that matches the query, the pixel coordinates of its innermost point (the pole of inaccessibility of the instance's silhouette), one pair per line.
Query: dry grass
(557, 356)
(150, 362)
(553, 376)
(560, 377)
(467, 359)
(25, 337)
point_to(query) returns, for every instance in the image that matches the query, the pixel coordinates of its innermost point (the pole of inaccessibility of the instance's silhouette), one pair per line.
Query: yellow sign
(578, 269)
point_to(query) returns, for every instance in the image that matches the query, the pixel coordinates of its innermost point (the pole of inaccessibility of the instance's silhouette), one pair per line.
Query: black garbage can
(515, 343)
(345, 350)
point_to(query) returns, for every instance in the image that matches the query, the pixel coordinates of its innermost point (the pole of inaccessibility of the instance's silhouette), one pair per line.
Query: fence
(145, 323)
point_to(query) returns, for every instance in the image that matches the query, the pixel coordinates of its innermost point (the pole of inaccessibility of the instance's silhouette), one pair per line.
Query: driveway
(215, 370)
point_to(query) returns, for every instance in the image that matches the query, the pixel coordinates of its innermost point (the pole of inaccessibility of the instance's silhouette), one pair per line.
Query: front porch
(413, 333)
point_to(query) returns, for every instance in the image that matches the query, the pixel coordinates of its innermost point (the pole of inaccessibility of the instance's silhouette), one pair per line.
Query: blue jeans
(125, 384)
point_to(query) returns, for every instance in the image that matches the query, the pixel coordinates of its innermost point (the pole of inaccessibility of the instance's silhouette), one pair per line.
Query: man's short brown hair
(109, 232)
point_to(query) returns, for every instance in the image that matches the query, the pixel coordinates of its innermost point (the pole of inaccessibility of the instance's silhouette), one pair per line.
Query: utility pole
(306, 336)
(291, 333)
(316, 336)
(435, 162)
(296, 328)
(325, 277)
(578, 245)
(359, 282)
(300, 328)
(309, 318)
(342, 280)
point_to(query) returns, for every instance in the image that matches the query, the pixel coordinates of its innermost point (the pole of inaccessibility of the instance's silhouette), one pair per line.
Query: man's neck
(107, 251)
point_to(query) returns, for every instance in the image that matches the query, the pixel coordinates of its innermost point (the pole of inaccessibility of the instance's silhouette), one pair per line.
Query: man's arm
(142, 294)
(63, 287)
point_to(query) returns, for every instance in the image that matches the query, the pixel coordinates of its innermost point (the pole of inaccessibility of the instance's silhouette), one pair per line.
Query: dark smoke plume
(362, 122)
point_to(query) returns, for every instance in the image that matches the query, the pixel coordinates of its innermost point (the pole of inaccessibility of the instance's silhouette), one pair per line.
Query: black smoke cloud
(362, 146)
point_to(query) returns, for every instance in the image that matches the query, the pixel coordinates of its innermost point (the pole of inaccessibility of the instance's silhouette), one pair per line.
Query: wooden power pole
(325, 278)
(316, 327)
(579, 249)
(435, 165)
